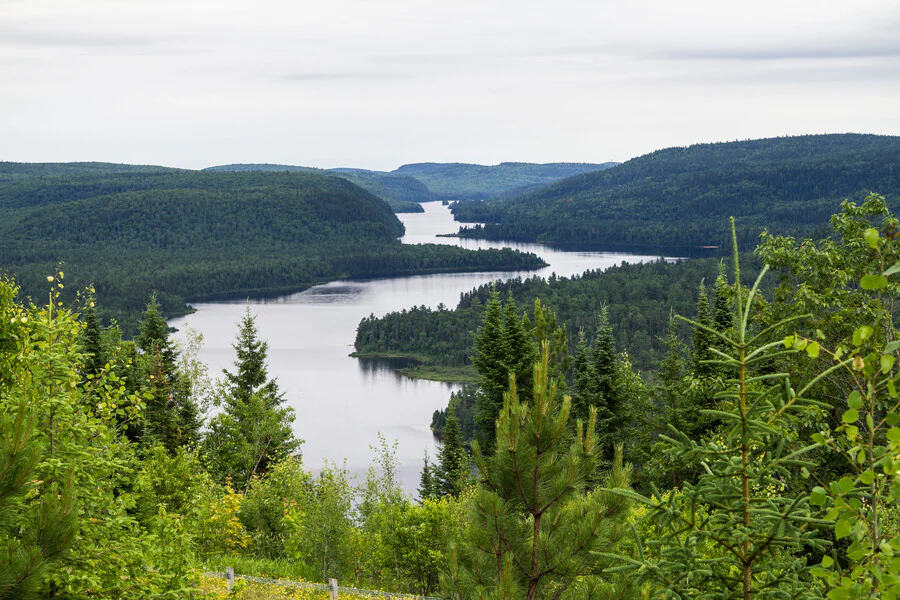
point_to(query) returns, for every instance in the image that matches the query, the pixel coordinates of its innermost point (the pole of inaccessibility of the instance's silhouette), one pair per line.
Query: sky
(376, 84)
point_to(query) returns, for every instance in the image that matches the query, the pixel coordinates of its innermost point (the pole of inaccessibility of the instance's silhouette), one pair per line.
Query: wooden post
(229, 578)
(332, 587)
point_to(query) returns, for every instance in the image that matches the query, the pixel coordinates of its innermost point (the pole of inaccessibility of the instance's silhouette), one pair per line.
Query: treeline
(639, 298)
(681, 197)
(189, 235)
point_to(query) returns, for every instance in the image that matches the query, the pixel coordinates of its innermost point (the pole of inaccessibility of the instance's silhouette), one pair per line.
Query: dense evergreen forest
(454, 181)
(191, 235)
(402, 193)
(682, 197)
(758, 462)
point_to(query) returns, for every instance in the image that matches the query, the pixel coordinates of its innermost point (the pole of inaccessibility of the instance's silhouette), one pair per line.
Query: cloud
(59, 38)
(822, 50)
(336, 76)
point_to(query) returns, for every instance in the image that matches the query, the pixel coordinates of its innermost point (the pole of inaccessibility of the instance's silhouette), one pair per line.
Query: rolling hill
(682, 197)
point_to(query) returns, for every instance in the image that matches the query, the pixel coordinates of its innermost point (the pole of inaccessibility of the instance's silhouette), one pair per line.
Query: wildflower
(50, 278)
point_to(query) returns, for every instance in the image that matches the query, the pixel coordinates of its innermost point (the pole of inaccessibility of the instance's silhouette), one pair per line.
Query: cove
(343, 403)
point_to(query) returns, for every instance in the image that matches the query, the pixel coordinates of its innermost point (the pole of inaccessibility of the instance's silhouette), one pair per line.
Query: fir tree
(519, 351)
(585, 394)
(723, 317)
(536, 532)
(154, 337)
(453, 466)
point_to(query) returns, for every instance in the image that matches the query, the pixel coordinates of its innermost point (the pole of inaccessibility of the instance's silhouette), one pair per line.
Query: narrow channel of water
(342, 403)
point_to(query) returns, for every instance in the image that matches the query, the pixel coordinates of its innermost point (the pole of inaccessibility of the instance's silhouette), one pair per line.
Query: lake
(343, 403)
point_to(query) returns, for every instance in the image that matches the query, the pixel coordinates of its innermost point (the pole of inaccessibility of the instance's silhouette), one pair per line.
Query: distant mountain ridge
(682, 197)
(423, 182)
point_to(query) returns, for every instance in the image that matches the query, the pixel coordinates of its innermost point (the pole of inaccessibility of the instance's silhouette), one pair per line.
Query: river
(342, 403)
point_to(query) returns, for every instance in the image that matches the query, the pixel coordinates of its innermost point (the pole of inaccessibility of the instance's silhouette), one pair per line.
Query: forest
(682, 197)
(190, 235)
(758, 459)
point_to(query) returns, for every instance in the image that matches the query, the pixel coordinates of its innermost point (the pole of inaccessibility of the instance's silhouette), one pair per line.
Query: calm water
(343, 403)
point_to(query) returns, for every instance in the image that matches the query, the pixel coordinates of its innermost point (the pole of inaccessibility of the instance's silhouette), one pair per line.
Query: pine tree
(37, 519)
(453, 460)
(251, 375)
(536, 532)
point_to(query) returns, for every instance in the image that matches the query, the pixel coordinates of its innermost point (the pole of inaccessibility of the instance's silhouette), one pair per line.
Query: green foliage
(740, 504)
(192, 235)
(452, 473)
(534, 530)
(861, 503)
(252, 374)
(681, 197)
(37, 519)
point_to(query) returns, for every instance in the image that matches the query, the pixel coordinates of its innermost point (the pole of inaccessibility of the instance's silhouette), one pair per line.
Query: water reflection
(342, 403)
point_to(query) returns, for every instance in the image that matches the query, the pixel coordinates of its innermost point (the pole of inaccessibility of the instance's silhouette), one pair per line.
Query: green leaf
(873, 282)
(871, 235)
(818, 438)
(827, 561)
(850, 416)
(892, 347)
(894, 269)
(818, 496)
(893, 434)
(867, 477)
(892, 418)
(887, 362)
(813, 350)
(854, 400)
(842, 528)
(862, 334)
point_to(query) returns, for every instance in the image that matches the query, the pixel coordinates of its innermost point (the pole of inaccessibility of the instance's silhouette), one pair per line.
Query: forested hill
(682, 197)
(190, 235)
(402, 193)
(454, 181)
(10, 171)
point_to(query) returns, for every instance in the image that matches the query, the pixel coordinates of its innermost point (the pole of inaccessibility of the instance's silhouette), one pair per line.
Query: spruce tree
(251, 374)
(703, 339)
(427, 481)
(535, 531)
(723, 319)
(254, 430)
(453, 462)
(492, 374)
(91, 337)
(585, 394)
(154, 337)
(519, 351)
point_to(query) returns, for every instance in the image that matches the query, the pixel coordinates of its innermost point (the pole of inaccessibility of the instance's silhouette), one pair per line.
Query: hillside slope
(682, 197)
(191, 235)
(454, 181)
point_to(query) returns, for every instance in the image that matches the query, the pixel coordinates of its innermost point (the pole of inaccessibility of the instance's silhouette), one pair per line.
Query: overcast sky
(375, 84)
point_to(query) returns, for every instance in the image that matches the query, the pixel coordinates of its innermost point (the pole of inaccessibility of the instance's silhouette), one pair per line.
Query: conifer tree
(703, 339)
(585, 393)
(723, 319)
(251, 374)
(453, 466)
(488, 361)
(753, 530)
(536, 532)
(427, 481)
(37, 519)
(92, 341)
(154, 337)
(519, 351)
(547, 329)
(253, 431)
